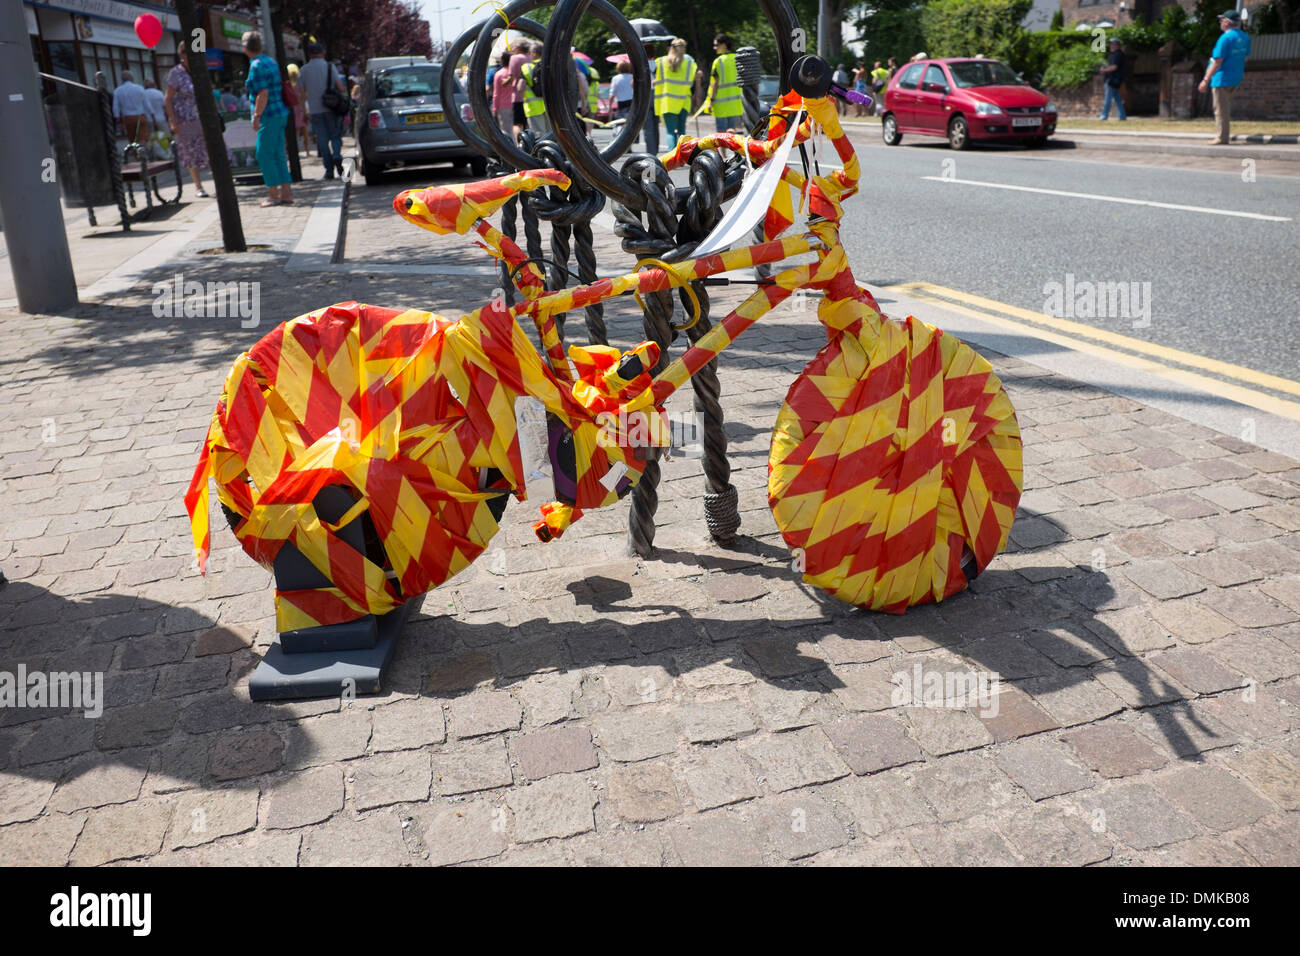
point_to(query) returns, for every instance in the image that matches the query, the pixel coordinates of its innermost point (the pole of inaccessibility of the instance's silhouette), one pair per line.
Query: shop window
(63, 59)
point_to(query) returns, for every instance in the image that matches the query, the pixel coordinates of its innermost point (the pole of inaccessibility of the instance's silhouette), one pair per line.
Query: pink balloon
(149, 29)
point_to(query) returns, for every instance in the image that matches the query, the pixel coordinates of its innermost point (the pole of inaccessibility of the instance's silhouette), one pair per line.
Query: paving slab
(571, 704)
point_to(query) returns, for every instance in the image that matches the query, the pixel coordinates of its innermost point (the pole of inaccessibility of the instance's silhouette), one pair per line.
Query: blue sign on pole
(214, 58)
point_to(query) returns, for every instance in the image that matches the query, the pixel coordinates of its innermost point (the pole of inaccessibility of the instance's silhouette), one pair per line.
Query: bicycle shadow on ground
(1035, 628)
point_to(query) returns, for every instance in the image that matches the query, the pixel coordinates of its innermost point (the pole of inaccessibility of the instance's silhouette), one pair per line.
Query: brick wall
(1085, 100)
(1265, 94)
(1074, 11)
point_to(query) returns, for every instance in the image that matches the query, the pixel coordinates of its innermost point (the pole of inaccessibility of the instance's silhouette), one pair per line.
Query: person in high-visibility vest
(724, 100)
(534, 106)
(675, 77)
(879, 79)
(593, 91)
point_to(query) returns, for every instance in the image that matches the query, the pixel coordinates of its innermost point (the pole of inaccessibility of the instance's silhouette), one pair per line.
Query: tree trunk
(232, 226)
(835, 42)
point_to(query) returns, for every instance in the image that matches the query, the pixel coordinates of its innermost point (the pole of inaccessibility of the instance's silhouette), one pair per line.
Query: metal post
(269, 45)
(29, 193)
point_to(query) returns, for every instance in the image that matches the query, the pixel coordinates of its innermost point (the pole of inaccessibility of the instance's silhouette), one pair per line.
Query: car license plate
(1026, 121)
(412, 119)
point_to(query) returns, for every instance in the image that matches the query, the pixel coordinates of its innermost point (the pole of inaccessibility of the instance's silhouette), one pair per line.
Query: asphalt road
(1222, 286)
(1226, 287)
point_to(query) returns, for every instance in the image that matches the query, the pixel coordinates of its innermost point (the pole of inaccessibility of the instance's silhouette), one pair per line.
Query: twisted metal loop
(570, 213)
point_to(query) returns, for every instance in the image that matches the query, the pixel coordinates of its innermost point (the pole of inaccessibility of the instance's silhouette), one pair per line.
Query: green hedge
(1072, 66)
(970, 27)
(1036, 49)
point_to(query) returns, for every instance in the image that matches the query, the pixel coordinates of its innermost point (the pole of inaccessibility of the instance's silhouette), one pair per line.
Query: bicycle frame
(430, 445)
(448, 209)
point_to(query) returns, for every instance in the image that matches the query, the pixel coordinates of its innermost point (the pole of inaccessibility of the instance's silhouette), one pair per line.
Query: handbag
(332, 99)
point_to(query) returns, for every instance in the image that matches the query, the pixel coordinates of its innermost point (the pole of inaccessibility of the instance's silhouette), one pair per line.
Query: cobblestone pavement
(564, 703)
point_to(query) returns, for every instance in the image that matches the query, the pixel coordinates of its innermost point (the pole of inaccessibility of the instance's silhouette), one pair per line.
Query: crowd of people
(142, 112)
(679, 90)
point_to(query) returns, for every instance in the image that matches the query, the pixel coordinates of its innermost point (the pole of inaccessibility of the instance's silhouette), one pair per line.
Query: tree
(354, 30)
(223, 183)
(974, 27)
(891, 28)
(1278, 16)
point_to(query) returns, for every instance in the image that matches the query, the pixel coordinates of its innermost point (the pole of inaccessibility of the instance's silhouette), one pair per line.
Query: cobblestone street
(564, 703)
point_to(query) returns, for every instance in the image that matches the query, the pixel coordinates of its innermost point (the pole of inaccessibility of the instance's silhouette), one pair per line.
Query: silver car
(402, 121)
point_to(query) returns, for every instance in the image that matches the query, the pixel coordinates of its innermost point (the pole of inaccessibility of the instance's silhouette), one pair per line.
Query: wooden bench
(146, 173)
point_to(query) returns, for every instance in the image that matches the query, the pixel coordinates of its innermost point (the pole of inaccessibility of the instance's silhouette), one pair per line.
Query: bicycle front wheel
(895, 466)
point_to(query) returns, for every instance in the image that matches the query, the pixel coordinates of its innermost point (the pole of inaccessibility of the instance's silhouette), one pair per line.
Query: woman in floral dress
(183, 118)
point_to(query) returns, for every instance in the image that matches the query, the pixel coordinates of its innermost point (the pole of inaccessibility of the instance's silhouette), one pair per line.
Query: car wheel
(889, 130)
(374, 174)
(478, 166)
(958, 133)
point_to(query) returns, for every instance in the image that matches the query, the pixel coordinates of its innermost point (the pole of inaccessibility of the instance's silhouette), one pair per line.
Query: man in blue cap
(1227, 64)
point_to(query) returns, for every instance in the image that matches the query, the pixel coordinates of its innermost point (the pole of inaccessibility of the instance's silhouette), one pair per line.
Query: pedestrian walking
(503, 95)
(155, 104)
(842, 79)
(1227, 64)
(299, 109)
(1115, 71)
(130, 108)
(183, 120)
(621, 90)
(270, 116)
(650, 126)
(861, 78)
(522, 54)
(318, 77)
(879, 77)
(530, 78)
(893, 66)
(724, 86)
(676, 75)
(593, 92)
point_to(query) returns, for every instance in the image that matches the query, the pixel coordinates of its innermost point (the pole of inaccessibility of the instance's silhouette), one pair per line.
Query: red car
(965, 100)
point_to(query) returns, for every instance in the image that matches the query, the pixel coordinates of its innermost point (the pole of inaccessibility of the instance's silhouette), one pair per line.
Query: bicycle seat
(448, 209)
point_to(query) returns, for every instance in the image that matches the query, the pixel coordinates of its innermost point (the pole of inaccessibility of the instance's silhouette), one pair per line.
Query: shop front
(75, 39)
(226, 58)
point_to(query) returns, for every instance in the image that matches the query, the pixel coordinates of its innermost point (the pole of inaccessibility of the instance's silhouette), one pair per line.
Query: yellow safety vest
(673, 87)
(533, 104)
(726, 99)
(593, 90)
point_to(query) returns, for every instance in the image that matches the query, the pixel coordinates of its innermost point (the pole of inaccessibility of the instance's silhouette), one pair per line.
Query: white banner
(754, 198)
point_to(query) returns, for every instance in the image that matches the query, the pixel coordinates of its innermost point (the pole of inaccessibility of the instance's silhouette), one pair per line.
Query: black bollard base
(349, 658)
(335, 671)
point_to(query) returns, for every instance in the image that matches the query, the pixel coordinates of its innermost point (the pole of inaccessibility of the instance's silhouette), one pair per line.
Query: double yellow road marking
(1158, 360)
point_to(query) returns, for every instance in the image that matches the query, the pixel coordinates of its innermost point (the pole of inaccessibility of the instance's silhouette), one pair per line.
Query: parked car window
(419, 81)
(769, 87)
(983, 73)
(911, 77)
(933, 74)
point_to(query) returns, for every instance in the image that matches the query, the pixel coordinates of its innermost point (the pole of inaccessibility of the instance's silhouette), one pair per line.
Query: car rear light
(376, 120)
(466, 113)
